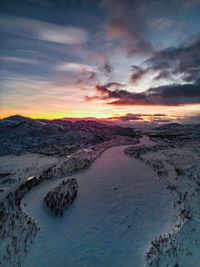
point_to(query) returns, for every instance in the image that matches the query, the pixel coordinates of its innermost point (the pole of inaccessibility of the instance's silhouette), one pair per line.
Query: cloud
(125, 26)
(160, 24)
(71, 66)
(140, 117)
(29, 94)
(45, 31)
(167, 95)
(173, 63)
(85, 77)
(143, 117)
(154, 118)
(64, 35)
(183, 62)
(158, 115)
(76, 75)
(128, 117)
(114, 85)
(106, 68)
(136, 74)
(19, 60)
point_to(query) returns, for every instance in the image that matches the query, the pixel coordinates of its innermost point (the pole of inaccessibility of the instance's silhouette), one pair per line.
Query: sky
(123, 60)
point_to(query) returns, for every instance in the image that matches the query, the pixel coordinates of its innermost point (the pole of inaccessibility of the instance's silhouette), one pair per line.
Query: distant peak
(18, 118)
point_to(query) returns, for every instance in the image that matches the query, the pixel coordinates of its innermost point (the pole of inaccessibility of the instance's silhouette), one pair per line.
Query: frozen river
(121, 206)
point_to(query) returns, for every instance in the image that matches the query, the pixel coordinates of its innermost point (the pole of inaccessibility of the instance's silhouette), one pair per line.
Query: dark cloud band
(167, 95)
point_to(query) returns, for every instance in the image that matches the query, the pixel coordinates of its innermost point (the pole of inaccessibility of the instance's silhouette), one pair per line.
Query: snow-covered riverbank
(122, 189)
(17, 230)
(119, 208)
(177, 164)
(180, 170)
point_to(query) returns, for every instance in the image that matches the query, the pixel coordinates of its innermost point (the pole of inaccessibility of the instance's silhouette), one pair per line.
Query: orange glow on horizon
(60, 115)
(102, 112)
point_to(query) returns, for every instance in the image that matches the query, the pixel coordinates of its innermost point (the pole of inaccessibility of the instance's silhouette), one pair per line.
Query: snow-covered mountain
(177, 126)
(177, 134)
(21, 134)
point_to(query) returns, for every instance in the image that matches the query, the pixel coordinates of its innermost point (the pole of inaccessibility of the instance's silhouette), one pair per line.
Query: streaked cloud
(128, 56)
(160, 24)
(72, 66)
(37, 29)
(18, 60)
(31, 93)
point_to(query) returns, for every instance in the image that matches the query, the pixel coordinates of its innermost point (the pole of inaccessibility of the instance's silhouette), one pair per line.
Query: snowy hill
(20, 134)
(177, 126)
(177, 134)
(169, 126)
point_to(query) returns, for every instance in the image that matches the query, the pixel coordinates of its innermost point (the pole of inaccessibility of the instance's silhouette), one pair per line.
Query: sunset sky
(134, 60)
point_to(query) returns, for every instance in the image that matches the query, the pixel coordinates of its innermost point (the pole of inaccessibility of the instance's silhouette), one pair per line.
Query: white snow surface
(119, 209)
(123, 203)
